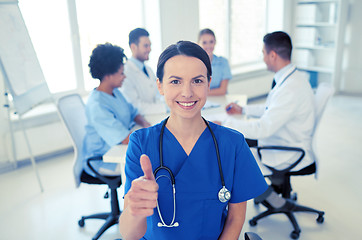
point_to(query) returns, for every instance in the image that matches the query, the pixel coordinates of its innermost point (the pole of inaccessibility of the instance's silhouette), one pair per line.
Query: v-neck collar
(167, 131)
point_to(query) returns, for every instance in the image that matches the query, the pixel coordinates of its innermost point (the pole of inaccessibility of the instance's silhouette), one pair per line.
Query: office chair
(280, 179)
(72, 112)
(251, 236)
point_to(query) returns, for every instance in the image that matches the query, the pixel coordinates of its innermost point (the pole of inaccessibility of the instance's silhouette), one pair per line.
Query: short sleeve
(248, 182)
(111, 130)
(133, 168)
(226, 72)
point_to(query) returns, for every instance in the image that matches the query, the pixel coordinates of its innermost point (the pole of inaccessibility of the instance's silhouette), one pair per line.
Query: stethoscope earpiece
(160, 224)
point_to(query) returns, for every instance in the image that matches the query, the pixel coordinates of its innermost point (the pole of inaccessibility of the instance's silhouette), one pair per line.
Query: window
(239, 26)
(105, 21)
(98, 22)
(50, 34)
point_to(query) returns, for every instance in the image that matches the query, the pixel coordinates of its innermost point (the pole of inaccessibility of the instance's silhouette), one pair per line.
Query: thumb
(146, 167)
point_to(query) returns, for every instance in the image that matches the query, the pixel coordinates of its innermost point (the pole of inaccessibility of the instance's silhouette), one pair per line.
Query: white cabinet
(318, 38)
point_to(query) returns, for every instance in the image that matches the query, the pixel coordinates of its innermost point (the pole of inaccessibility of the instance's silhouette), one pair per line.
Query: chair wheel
(252, 222)
(81, 223)
(320, 219)
(294, 235)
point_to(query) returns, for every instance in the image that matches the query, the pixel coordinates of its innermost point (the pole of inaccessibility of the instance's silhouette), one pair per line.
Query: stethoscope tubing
(295, 69)
(224, 194)
(169, 170)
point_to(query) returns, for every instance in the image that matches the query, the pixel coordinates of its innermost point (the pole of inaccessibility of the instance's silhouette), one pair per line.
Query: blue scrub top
(220, 71)
(199, 212)
(110, 119)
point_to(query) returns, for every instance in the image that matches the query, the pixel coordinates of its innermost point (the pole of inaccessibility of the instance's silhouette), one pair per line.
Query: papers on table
(210, 104)
(238, 98)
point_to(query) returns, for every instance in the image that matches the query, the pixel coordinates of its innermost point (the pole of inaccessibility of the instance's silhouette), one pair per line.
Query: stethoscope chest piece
(224, 194)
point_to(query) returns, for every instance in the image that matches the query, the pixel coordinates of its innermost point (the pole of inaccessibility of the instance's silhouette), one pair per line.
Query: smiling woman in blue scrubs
(189, 146)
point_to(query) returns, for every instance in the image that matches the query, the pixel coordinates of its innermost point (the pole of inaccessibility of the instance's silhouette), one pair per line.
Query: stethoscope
(224, 195)
(295, 69)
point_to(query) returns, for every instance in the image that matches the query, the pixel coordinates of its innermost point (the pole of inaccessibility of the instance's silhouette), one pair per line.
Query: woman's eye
(175, 81)
(198, 81)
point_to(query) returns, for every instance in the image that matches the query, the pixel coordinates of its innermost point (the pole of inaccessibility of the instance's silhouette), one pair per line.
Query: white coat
(141, 91)
(286, 119)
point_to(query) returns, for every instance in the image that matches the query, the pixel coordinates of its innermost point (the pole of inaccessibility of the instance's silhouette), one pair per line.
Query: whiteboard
(18, 61)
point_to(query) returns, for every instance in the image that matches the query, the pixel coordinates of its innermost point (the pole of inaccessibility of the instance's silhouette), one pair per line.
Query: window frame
(253, 67)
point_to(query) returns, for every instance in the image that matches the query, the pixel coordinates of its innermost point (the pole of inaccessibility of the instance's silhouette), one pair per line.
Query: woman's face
(116, 79)
(207, 42)
(185, 86)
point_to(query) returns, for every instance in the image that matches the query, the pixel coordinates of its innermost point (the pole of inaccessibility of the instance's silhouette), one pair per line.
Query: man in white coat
(140, 87)
(288, 116)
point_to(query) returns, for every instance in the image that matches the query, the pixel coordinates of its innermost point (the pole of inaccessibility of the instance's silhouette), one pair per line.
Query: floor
(26, 213)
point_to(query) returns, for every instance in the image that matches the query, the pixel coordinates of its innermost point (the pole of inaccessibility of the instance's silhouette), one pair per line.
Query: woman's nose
(187, 91)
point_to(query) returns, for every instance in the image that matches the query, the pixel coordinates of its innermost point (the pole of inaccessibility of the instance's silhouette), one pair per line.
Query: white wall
(179, 21)
(45, 139)
(351, 80)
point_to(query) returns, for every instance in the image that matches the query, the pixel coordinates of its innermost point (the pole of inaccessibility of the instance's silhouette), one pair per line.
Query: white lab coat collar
(137, 63)
(280, 76)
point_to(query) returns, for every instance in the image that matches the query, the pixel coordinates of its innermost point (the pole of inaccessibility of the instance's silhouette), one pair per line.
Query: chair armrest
(98, 175)
(282, 148)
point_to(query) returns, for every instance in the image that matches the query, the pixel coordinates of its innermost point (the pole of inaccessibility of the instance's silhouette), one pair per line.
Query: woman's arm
(234, 221)
(139, 203)
(220, 90)
(140, 120)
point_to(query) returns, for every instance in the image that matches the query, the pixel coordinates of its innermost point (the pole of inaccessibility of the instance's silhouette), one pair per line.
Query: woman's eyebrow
(199, 76)
(172, 76)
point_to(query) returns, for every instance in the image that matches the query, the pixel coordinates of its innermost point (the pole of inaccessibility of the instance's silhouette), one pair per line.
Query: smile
(187, 104)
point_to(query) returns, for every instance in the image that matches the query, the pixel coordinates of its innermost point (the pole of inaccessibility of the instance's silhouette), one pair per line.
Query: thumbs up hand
(146, 167)
(141, 199)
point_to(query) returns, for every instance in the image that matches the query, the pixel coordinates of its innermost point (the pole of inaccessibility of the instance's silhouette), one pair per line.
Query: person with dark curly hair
(110, 117)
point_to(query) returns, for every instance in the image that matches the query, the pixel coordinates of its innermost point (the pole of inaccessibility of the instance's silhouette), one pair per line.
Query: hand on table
(147, 124)
(233, 108)
(217, 122)
(142, 196)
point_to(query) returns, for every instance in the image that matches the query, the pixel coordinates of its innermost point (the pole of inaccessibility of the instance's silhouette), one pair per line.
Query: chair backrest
(323, 94)
(72, 111)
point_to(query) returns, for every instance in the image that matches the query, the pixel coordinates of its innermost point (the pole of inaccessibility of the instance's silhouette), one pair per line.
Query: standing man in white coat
(140, 87)
(288, 116)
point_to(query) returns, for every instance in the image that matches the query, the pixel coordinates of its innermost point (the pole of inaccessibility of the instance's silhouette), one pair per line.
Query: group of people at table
(187, 177)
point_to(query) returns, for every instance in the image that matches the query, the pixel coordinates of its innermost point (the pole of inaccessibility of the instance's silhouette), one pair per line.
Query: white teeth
(187, 104)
